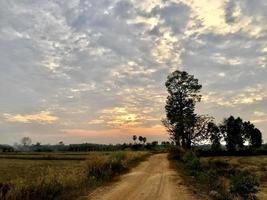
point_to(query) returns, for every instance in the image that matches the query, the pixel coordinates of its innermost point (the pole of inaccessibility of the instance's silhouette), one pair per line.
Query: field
(50, 175)
(255, 164)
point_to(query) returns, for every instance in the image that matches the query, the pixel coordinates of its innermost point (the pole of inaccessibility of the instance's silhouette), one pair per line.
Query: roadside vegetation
(31, 179)
(257, 165)
(223, 178)
(197, 135)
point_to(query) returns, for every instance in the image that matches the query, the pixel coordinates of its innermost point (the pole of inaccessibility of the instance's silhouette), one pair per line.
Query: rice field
(49, 175)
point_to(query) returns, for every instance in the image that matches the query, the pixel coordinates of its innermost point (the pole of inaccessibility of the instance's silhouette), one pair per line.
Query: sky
(94, 70)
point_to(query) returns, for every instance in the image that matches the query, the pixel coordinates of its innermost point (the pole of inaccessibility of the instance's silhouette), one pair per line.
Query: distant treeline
(246, 151)
(61, 147)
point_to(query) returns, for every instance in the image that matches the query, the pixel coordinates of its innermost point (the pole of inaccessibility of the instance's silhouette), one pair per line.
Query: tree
(256, 138)
(134, 138)
(171, 129)
(215, 136)
(154, 143)
(144, 140)
(26, 141)
(198, 132)
(38, 144)
(252, 134)
(140, 138)
(236, 132)
(180, 119)
(232, 129)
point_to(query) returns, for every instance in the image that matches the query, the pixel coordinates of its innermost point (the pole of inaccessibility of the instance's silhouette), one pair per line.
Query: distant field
(49, 156)
(65, 176)
(255, 164)
(32, 165)
(11, 169)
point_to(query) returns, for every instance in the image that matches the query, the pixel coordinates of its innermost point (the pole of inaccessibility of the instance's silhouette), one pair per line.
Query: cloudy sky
(94, 70)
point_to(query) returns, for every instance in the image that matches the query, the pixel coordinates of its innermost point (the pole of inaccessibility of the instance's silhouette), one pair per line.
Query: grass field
(53, 174)
(255, 164)
(31, 165)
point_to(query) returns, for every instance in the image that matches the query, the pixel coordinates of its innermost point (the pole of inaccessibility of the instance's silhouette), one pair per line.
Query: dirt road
(151, 180)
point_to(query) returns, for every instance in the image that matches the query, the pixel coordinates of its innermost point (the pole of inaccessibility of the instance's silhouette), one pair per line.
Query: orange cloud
(43, 117)
(155, 131)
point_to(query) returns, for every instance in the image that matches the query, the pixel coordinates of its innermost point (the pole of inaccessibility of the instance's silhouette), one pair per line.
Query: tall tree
(215, 136)
(232, 128)
(236, 132)
(171, 129)
(252, 134)
(180, 120)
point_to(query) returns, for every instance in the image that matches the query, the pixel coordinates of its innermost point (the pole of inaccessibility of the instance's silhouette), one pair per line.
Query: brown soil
(153, 179)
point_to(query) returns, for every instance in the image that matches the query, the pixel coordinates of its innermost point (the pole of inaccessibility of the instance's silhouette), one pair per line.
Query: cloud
(43, 117)
(101, 65)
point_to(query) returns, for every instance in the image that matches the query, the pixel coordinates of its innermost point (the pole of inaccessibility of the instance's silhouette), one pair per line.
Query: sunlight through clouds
(100, 66)
(44, 117)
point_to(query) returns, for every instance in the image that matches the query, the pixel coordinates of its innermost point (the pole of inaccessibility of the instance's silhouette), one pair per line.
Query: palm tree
(140, 138)
(144, 140)
(134, 138)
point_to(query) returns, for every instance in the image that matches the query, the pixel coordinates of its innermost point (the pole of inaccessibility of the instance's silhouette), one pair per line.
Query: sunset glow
(94, 70)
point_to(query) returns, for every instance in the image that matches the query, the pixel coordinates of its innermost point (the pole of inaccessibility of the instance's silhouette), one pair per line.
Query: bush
(102, 168)
(245, 185)
(209, 179)
(192, 163)
(176, 152)
(4, 189)
(97, 168)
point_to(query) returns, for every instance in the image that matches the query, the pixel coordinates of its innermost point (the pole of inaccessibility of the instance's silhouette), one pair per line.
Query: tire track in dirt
(153, 179)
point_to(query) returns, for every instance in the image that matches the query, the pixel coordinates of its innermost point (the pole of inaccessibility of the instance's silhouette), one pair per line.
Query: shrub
(245, 185)
(209, 179)
(97, 168)
(176, 152)
(192, 162)
(101, 168)
(4, 189)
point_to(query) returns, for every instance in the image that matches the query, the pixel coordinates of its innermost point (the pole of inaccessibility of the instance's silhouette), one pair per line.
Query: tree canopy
(186, 128)
(181, 119)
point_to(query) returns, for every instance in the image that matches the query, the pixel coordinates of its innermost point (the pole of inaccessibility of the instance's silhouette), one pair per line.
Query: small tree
(140, 138)
(38, 144)
(134, 138)
(26, 141)
(144, 140)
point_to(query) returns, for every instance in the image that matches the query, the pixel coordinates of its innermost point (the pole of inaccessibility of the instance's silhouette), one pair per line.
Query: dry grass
(61, 179)
(254, 164)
